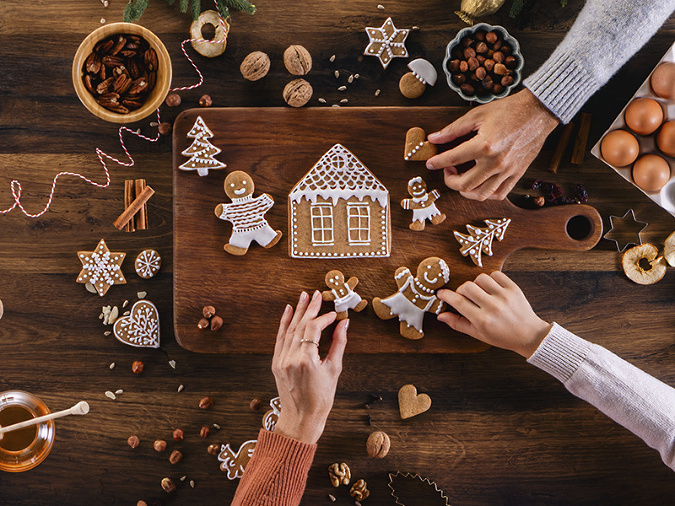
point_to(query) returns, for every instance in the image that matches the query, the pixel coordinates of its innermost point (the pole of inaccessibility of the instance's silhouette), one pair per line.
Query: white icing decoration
(387, 42)
(424, 71)
(479, 240)
(141, 327)
(201, 151)
(235, 463)
(148, 263)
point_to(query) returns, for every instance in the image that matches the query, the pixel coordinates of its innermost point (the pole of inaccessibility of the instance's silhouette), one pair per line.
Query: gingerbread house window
(339, 209)
(358, 221)
(322, 225)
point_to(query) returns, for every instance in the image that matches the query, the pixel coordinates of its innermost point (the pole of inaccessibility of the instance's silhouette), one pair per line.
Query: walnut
(297, 60)
(255, 66)
(297, 93)
(339, 474)
(378, 445)
(359, 490)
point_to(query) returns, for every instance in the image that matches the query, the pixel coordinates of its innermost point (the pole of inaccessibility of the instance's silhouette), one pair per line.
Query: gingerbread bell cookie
(417, 148)
(247, 215)
(415, 296)
(342, 294)
(422, 204)
(101, 268)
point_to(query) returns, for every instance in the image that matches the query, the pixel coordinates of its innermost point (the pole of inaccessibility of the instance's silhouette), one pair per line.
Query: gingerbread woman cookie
(342, 294)
(415, 296)
(247, 215)
(422, 204)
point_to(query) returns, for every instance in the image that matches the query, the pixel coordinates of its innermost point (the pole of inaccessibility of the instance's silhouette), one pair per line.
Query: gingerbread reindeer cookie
(247, 215)
(415, 296)
(342, 294)
(422, 204)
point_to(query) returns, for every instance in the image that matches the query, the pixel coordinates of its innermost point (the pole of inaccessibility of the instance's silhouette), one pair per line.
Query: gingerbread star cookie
(101, 268)
(386, 42)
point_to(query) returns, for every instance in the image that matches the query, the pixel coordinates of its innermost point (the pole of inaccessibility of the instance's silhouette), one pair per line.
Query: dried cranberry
(537, 184)
(581, 194)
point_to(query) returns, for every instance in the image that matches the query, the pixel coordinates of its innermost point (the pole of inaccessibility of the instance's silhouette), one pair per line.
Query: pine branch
(134, 9)
(196, 8)
(516, 8)
(184, 6)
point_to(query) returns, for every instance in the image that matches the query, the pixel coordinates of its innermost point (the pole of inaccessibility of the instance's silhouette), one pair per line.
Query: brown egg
(619, 148)
(663, 80)
(644, 116)
(651, 173)
(666, 138)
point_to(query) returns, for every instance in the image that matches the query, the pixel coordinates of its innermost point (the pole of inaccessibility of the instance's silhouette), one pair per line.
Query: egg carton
(666, 197)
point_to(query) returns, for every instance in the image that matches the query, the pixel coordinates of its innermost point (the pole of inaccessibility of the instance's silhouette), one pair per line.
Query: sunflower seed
(107, 333)
(216, 426)
(119, 392)
(332, 59)
(350, 79)
(381, 7)
(172, 363)
(342, 88)
(182, 478)
(126, 313)
(415, 27)
(112, 366)
(335, 105)
(192, 483)
(322, 100)
(377, 92)
(90, 288)
(344, 101)
(180, 388)
(141, 295)
(337, 74)
(125, 304)
(356, 76)
(110, 395)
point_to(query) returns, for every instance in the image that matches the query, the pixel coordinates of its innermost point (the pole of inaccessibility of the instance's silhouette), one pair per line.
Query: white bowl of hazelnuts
(483, 62)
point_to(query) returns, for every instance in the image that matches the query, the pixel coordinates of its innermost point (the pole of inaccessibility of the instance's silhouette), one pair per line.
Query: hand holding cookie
(306, 383)
(509, 134)
(493, 309)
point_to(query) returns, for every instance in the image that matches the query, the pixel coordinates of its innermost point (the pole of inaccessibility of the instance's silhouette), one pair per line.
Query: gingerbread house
(339, 209)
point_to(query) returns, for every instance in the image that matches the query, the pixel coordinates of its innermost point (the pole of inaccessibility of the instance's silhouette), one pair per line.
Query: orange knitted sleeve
(277, 472)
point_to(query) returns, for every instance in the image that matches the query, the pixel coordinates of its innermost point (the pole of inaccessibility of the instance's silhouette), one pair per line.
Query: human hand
(306, 384)
(493, 309)
(509, 134)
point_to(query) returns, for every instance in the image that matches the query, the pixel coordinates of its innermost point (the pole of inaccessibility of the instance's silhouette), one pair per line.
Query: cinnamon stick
(134, 207)
(564, 140)
(582, 137)
(142, 215)
(128, 199)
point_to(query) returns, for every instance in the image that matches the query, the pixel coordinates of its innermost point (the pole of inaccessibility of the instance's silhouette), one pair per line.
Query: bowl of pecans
(121, 72)
(483, 62)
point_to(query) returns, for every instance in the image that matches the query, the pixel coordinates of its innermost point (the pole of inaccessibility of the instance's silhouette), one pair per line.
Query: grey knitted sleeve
(604, 36)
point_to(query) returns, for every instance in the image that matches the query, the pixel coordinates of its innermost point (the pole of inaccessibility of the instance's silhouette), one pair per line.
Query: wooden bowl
(156, 96)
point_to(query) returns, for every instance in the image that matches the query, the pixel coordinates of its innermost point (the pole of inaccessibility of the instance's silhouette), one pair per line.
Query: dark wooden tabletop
(499, 431)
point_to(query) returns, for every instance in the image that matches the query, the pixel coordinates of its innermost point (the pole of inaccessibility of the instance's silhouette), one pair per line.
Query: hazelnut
(498, 57)
(458, 79)
(175, 457)
(159, 445)
(137, 367)
(453, 66)
(206, 403)
(466, 41)
(133, 441)
(256, 404)
(473, 64)
(178, 434)
(203, 324)
(510, 62)
(205, 101)
(255, 66)
(479, 36)
(213, 449)
(297, 60)
(468, 89)
(500, 69)
(164, 128)
(505, 49)
(481, 73)
(481, 59)
(497, 89)
(491, 37)
(208, 311)
(498, 45)
(168, 485)
(204, 432)
(216, 322)
(141, 503)
(378, 445)
(469, 52)
(173, 100)
(463, 66)
(481, 47)
(507, 81)
(489, 64)
(297, 93)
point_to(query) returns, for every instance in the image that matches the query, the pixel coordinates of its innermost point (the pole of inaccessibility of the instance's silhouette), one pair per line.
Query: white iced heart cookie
(141, 327)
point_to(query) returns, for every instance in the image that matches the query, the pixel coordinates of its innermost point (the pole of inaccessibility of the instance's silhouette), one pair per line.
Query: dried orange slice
(643, 265)
(669, 250)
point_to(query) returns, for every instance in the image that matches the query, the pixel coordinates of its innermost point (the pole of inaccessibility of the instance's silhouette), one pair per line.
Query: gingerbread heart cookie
(416, 147)
(410, 403)
(141, 327)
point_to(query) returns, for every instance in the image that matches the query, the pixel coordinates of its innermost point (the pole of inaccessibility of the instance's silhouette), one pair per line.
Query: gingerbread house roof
(339, 174)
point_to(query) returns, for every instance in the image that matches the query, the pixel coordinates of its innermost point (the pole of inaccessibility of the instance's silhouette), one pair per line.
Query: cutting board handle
(565, 227)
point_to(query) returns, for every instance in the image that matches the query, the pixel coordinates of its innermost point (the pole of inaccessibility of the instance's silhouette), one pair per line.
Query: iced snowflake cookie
(417, 148)
(201, 152)
(148, 263)
(479, 240)
(342, 294)
(422, 204)
(386, 42)
(415, 296)
(101, 268)
(140, 328)
(247, 215)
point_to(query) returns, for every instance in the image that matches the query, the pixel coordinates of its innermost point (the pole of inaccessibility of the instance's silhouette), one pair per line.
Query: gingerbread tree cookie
(415, 296)
(342, 294)
(422, 204)
(201, 151)
(247, 215)
(101, 268)
(479, 240)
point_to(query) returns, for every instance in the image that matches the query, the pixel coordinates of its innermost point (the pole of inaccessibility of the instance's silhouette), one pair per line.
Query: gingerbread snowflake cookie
(101, 268)
(201, 152)
(416, 295)
(247, 215)
(479, 240)
(422, 204)
(386, 42)
(342, 294)
(148, 263)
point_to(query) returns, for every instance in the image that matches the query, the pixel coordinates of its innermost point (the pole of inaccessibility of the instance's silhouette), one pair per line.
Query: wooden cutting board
(277, 146)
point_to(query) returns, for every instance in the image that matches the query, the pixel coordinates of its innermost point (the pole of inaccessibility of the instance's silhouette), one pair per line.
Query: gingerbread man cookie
(415, 296)
(422, 204)
(247, 215)
(342, 294)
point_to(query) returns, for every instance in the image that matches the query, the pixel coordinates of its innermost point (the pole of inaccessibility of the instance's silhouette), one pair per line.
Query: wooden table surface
(499, 430)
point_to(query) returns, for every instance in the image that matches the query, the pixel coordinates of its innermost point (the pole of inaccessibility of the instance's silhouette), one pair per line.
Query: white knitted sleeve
(604, 36)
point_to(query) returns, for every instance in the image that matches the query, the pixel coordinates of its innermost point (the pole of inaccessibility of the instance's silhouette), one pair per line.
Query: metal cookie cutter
(625, 230)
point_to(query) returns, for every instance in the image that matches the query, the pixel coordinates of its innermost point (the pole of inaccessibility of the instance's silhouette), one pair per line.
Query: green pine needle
(196, 8)
(184, 6)
(516, 8)
(134, 9)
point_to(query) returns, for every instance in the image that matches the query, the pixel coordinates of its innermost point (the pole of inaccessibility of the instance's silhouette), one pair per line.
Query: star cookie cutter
(415, 476)
(625, 230)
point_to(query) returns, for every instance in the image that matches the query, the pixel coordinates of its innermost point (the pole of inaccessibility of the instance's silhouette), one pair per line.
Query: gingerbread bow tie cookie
(342, 294)
(415, 296)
